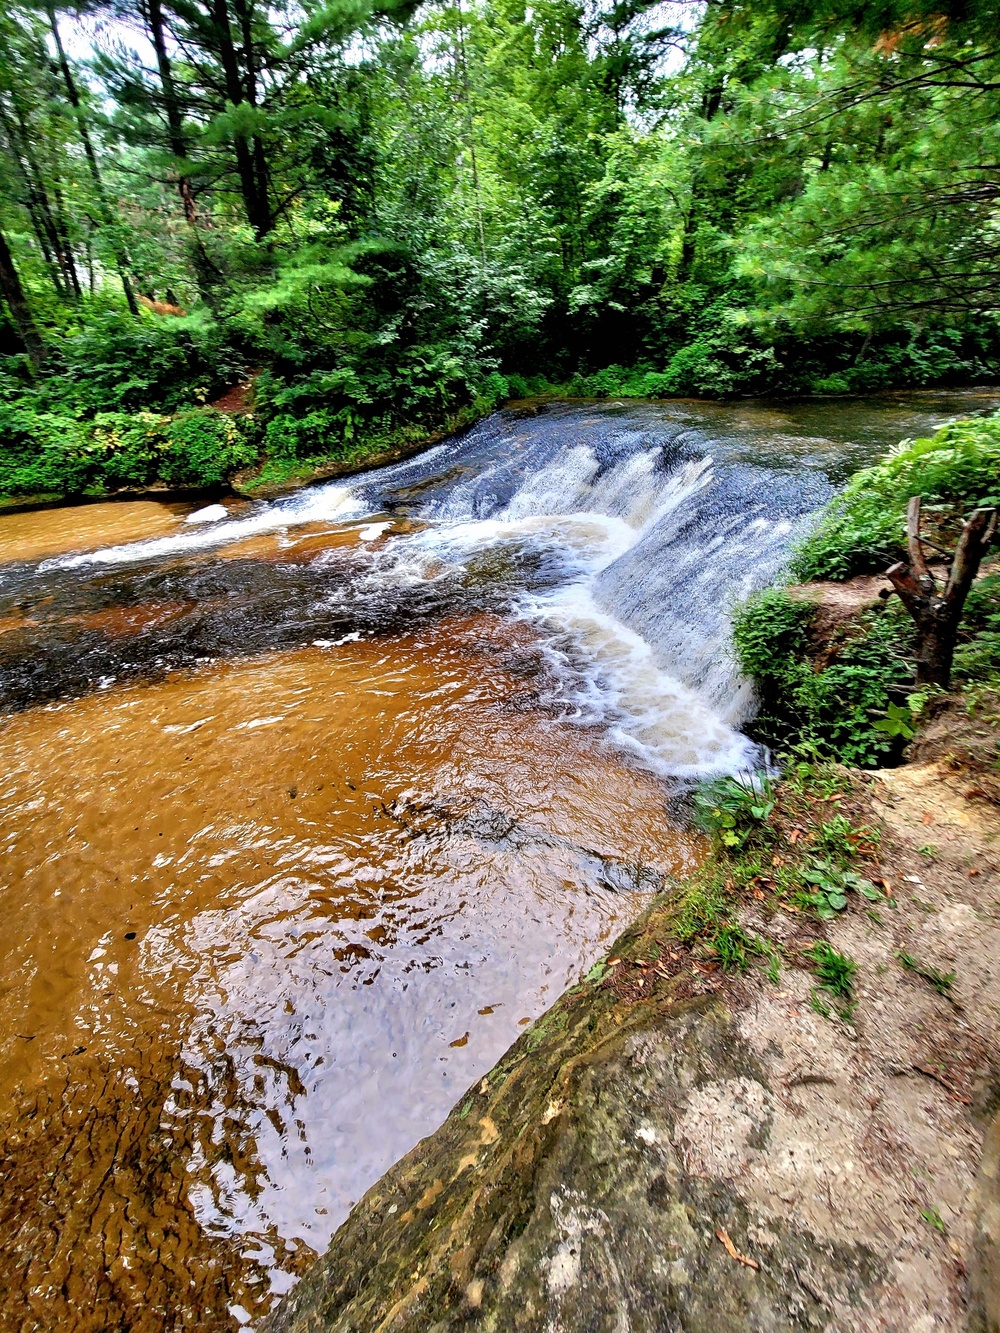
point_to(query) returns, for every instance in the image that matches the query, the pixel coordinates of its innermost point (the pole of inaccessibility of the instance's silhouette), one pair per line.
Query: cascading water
(630, 547)
(308, 808)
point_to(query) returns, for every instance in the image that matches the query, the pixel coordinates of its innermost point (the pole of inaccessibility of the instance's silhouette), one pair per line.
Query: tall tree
(17, 304)
(107, 218)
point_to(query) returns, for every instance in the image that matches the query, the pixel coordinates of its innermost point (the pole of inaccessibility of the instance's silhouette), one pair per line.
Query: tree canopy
(383, 212)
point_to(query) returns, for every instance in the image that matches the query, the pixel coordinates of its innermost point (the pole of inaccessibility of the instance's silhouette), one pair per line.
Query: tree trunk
(204, 268)
(171, 106)
(91, 156)
(36, 203)
(45, 219)
(938, 612)
(20, 312)
(255, 204)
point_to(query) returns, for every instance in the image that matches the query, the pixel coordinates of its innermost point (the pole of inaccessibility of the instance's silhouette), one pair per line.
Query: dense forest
(381, 218)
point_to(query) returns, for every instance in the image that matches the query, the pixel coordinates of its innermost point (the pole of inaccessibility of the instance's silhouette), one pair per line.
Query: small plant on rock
(835, 973)
(734, 809)
(830, 884)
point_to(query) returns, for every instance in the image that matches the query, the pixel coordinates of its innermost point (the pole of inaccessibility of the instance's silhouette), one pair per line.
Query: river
(308, 808)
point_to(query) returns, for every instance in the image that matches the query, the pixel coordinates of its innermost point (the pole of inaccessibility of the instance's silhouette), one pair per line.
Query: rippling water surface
(307, 808)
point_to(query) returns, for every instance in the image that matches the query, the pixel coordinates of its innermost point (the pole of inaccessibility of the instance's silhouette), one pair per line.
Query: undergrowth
(863, 530)
(838, 705)
(786, 845)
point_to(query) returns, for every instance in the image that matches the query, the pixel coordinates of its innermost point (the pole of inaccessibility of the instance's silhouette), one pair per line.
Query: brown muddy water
(306, 810)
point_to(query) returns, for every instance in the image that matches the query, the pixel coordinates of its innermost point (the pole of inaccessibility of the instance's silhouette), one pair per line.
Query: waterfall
(624, 543)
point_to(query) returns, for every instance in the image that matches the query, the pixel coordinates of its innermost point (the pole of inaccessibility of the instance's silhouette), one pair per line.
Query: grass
(942, 982)
(834, 970)
(934, 1219)
(778, 846)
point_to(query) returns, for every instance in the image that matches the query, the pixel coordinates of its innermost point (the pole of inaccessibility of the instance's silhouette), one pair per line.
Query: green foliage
(829, 884)
(863, 529)
(833, 708)
(48, 454)
(977, 657)
(808, 775)
(897, 722)
(934, 1219)
(834, 970)
(735, 810)
(204, 448)
(839, 838)
(704, 905)
(942, 983)
(733, 947)
(41, 453)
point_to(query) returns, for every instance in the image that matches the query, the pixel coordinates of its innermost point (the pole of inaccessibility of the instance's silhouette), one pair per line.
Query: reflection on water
(305, 811)
(298, 904)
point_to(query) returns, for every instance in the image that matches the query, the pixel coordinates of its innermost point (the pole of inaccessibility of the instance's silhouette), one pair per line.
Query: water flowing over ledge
(314, 805)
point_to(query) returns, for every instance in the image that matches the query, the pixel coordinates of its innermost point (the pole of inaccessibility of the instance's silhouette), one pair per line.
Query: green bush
(325, 432)
(204, 447)
(863, 530)
(977, 657)
(833, 708)
(43, 453)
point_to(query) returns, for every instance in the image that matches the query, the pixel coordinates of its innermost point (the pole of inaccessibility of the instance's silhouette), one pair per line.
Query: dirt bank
(672, 1147)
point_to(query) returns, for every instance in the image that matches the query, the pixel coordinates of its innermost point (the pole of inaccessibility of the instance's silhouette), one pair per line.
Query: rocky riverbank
(678, 1146)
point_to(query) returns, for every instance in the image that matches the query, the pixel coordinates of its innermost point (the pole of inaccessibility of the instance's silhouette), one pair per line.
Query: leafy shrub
(916, 356)
(734, 809)
(833, 708)
(977, 657)
(326, 432)
(125, 447)
(42, 453)
(203, 447)
(115, 362)
(863, 529)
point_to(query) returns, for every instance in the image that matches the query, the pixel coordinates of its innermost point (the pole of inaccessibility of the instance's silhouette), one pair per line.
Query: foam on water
(645, 540)
(671, 696)
(322, 504)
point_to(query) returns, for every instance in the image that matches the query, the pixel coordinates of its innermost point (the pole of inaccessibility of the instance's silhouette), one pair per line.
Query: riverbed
(308, 809)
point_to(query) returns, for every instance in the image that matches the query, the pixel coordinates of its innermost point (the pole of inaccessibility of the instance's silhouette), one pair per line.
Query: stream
(308, 808)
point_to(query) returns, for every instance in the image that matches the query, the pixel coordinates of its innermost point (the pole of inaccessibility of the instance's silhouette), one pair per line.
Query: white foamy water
(323, 504)
(644, 547)
(607, 674)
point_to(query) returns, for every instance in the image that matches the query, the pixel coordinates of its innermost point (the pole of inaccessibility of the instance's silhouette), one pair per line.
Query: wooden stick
(976, 536)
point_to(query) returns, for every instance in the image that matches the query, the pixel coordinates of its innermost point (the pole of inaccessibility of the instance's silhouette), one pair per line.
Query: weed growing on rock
(733, 947)
(778, 846)
(735, 809)
(933, 1218)
(829, 885)
(835, 973)
(942, 982)
(834, 970)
